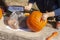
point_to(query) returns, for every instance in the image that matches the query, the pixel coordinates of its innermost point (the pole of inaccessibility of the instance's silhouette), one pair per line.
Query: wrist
(51, 14)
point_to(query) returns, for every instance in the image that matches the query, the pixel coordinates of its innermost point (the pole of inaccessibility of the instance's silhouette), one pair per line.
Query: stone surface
(7, 34)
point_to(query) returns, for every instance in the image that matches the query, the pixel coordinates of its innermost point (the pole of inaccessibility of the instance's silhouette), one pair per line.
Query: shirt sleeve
(31, 1)
(57, 12)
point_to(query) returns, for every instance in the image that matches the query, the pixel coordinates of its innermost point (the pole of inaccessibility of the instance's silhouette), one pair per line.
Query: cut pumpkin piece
(1, 13)
(54, 34)
(27, 14)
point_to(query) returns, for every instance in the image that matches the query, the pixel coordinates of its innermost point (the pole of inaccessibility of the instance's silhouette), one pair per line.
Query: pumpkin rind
(34, 21)
(0, 13)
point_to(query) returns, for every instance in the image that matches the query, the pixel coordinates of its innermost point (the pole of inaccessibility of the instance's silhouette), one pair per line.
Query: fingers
(27, 7)
(44, 16)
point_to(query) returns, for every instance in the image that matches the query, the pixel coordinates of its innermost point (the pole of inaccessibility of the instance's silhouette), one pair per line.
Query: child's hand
(48, 14)
(28, 7)
(45, 16)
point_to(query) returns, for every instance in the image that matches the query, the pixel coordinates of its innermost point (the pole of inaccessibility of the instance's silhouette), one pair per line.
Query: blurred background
(19, 3)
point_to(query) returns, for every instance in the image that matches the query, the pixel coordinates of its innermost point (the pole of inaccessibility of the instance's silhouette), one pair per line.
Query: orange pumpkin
(0, 13)
(35, 22)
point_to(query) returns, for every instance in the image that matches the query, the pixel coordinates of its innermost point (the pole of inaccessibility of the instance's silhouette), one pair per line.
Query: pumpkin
(35, 22)
(0, 13)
